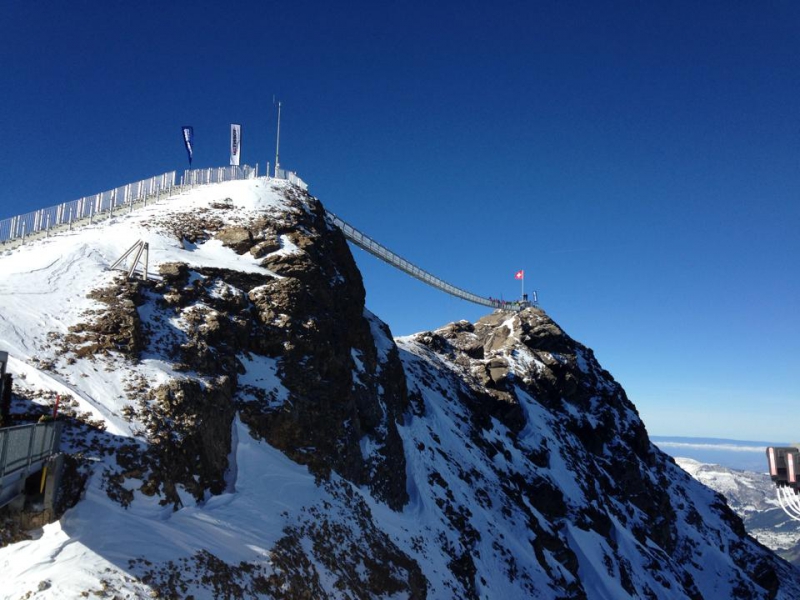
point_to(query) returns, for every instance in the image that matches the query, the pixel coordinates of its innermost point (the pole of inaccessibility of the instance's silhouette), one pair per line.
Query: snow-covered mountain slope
(240, 426)
(752, 496)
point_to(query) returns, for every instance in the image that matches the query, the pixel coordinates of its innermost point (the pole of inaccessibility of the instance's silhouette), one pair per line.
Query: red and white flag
(519, 275)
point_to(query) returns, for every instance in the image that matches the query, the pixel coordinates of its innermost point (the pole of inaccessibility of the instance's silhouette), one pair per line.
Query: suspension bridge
(17, 230)
(27, 449)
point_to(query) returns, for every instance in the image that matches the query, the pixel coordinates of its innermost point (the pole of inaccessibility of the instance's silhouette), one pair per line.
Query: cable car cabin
(784, 464)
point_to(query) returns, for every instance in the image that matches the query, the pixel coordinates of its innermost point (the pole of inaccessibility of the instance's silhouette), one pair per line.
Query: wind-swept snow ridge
(241, 426)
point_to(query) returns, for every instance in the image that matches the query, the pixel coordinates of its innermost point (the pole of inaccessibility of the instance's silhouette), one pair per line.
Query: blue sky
(641, 161)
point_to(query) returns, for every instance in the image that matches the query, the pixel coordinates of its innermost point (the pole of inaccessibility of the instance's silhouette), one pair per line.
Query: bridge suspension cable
(15, 229)
(367, 243)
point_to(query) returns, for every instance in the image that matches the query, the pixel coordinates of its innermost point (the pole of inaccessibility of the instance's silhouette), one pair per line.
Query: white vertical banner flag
(236, 143)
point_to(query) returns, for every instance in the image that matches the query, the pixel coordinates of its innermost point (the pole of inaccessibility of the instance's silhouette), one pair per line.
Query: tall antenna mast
(278, 141)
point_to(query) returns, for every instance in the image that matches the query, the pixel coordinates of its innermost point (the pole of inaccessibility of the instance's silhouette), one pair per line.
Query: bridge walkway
(17, 230)
(365, 242)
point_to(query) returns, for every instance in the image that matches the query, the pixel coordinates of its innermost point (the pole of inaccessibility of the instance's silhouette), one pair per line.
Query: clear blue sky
(640, 160)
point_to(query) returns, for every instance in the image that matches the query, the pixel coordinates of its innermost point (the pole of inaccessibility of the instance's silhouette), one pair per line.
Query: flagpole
(278, 142)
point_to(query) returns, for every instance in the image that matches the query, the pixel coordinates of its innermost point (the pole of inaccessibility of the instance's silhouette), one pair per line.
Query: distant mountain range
(734, 454)
(750, 494)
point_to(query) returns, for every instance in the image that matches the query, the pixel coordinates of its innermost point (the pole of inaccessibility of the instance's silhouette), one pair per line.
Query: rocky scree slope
(297, 451)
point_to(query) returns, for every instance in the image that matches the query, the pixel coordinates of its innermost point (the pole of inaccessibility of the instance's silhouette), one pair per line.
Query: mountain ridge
(244, 421)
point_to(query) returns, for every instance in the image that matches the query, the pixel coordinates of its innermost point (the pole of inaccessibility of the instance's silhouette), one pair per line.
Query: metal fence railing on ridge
(218, 175)
(86, 209)
(291, 177)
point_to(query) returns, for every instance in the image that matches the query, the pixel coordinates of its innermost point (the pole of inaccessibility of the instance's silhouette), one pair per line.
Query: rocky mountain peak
(250, 425)
(305, 319)
(575, 454)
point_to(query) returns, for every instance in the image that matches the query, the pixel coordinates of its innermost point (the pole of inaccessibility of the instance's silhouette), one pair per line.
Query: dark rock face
(198, 458)
(117, 328)
(312, 320)
(308, 316)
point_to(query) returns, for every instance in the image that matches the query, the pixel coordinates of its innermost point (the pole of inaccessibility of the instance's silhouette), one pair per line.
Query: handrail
(16, 228)
(365, 242)
(88, 207)
(218, 174)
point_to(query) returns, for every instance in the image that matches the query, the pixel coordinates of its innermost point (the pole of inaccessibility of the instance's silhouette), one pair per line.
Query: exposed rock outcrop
(561, 447)
(487, 459)
(311, 319)
(306, 313)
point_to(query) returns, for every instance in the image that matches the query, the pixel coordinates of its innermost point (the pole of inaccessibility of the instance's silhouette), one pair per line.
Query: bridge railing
(86, 207)
(20, 226)
(291, 177)
(218, 174)
(23, 445)
(367, 243)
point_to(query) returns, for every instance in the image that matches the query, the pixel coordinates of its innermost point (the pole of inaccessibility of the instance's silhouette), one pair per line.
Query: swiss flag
(519, 275)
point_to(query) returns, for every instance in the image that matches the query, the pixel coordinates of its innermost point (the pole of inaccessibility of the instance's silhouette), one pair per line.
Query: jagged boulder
(498, 369)
(240, 239)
